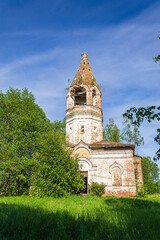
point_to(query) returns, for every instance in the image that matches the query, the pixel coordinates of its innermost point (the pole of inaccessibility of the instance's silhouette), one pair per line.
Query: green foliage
(111, 132)
(22, 123)
(55, 172)
(131, 133)
(137, 115)
(93, 81)
(32, 150)
(80, 79)
(150, 175)
(157, 187)
(60, 127)
(97, 189)
(142, 191)
(157, 58)
(67, 88)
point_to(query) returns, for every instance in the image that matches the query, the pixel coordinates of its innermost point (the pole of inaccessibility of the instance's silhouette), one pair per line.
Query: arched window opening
(80, 96)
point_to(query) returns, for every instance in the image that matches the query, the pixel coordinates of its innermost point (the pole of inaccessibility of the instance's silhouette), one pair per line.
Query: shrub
(142, 191)
(97, 189)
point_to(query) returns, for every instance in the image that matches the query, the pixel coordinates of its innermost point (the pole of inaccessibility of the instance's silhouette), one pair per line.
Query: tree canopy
(131, 133)
(60, 126)
(111, 132)
(23, 127)
(138, 115)
(150, 175)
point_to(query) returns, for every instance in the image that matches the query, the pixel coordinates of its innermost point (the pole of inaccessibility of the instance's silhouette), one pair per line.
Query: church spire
(84, 74)
(84, 89)
(84, 114)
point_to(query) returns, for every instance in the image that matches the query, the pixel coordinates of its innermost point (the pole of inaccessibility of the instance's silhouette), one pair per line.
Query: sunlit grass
(155, 196)
(79, 218)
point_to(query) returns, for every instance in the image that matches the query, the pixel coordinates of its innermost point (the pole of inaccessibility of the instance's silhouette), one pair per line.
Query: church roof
(105, 144)
(84, 74)
(109, 144)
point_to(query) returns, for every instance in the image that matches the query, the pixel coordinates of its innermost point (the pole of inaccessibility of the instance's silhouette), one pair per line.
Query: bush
(142, 191)
(97, 189)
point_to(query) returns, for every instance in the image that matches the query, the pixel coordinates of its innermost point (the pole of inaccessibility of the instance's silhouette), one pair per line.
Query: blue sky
(41, 42)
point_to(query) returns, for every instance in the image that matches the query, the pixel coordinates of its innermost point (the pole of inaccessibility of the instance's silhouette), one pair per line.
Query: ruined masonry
(111, 163)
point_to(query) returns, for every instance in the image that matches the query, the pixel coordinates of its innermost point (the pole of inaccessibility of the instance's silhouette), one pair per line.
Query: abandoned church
(111, 163)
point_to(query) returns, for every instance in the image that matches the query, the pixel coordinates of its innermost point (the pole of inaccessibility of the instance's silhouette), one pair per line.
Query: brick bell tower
(84, 114)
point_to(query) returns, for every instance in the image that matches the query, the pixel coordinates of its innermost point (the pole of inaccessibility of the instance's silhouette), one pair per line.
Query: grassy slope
(79, 218)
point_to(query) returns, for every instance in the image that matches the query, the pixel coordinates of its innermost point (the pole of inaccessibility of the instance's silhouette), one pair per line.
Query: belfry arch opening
(80, 96)
(94, 97)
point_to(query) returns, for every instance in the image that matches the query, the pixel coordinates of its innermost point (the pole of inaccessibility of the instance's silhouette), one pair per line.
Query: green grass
(79, 218)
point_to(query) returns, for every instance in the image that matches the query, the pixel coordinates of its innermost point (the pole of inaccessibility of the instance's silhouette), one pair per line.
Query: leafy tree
(55, 172)
(33, 151)
(137, 115)
(131, 133)
(22, 122)
(150, 174)
(111, 132)
(60, 126)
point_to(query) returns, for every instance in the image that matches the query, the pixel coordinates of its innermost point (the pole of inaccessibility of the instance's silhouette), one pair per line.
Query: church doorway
(85, 176)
